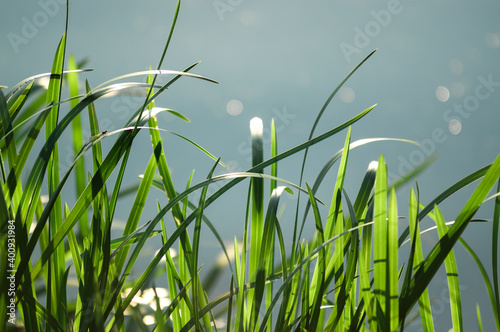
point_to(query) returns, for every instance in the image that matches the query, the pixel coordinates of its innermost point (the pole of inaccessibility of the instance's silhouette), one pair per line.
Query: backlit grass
(350, 276)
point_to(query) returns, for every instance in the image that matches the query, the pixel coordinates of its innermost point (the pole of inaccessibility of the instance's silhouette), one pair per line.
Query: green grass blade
(30, 79)
(441, 250)
(316, 121)
(392, 264)
(78, 142)
(487, 282)
(495, 257)
(424, 303)
(325, 105)
(479, 322)
(329, 164)
(381, 242)
(137, 208)
(238, 179)
(197, 289)
(121, 145)
(445, 194)
(57, 262)
(265, 255)
(451, 276)
(257, 219)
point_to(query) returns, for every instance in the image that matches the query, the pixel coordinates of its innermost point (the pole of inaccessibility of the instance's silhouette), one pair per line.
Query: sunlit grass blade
(137, 208)
(18, 104)
(55, 301)
(347, 291)
(6, 133)
(182, 227)
(28, 80)
(366, 250)
(451, 275)
(121, 146)
(230, 305)
(236, 180)
(305, 260)
(479, 321)
(335, 224)
(424, 303)
(329, 164)
(257, 217)
(10, 147)
(495, 256)
(78, 142)
(265, 255)
(380, 243)
(438, 254)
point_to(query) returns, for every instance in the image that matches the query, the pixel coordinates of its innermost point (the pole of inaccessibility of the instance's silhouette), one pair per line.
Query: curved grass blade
(32, 78)
(110, 162)
(238, 179)
(153, 72)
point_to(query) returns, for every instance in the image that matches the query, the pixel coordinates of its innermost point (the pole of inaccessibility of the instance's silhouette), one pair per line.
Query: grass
(347, 277)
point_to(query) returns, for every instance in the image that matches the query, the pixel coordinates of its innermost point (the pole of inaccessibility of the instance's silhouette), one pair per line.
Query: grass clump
(347, 277)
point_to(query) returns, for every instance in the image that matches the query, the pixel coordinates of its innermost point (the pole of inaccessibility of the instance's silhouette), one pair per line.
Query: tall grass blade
(495, 257)
(197, 289)
(381, 248)
(451, 276)
(392, 263)
(78, 142)
(438, 254)
(424, 303)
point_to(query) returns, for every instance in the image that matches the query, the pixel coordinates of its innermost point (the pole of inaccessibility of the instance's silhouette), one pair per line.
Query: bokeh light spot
(455, 126)
(442, 93)
(347, 95)
(492, 40)
(148, 320)
(234, 107)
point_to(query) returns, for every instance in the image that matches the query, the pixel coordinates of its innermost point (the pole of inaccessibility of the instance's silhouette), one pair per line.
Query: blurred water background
(435, 78)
